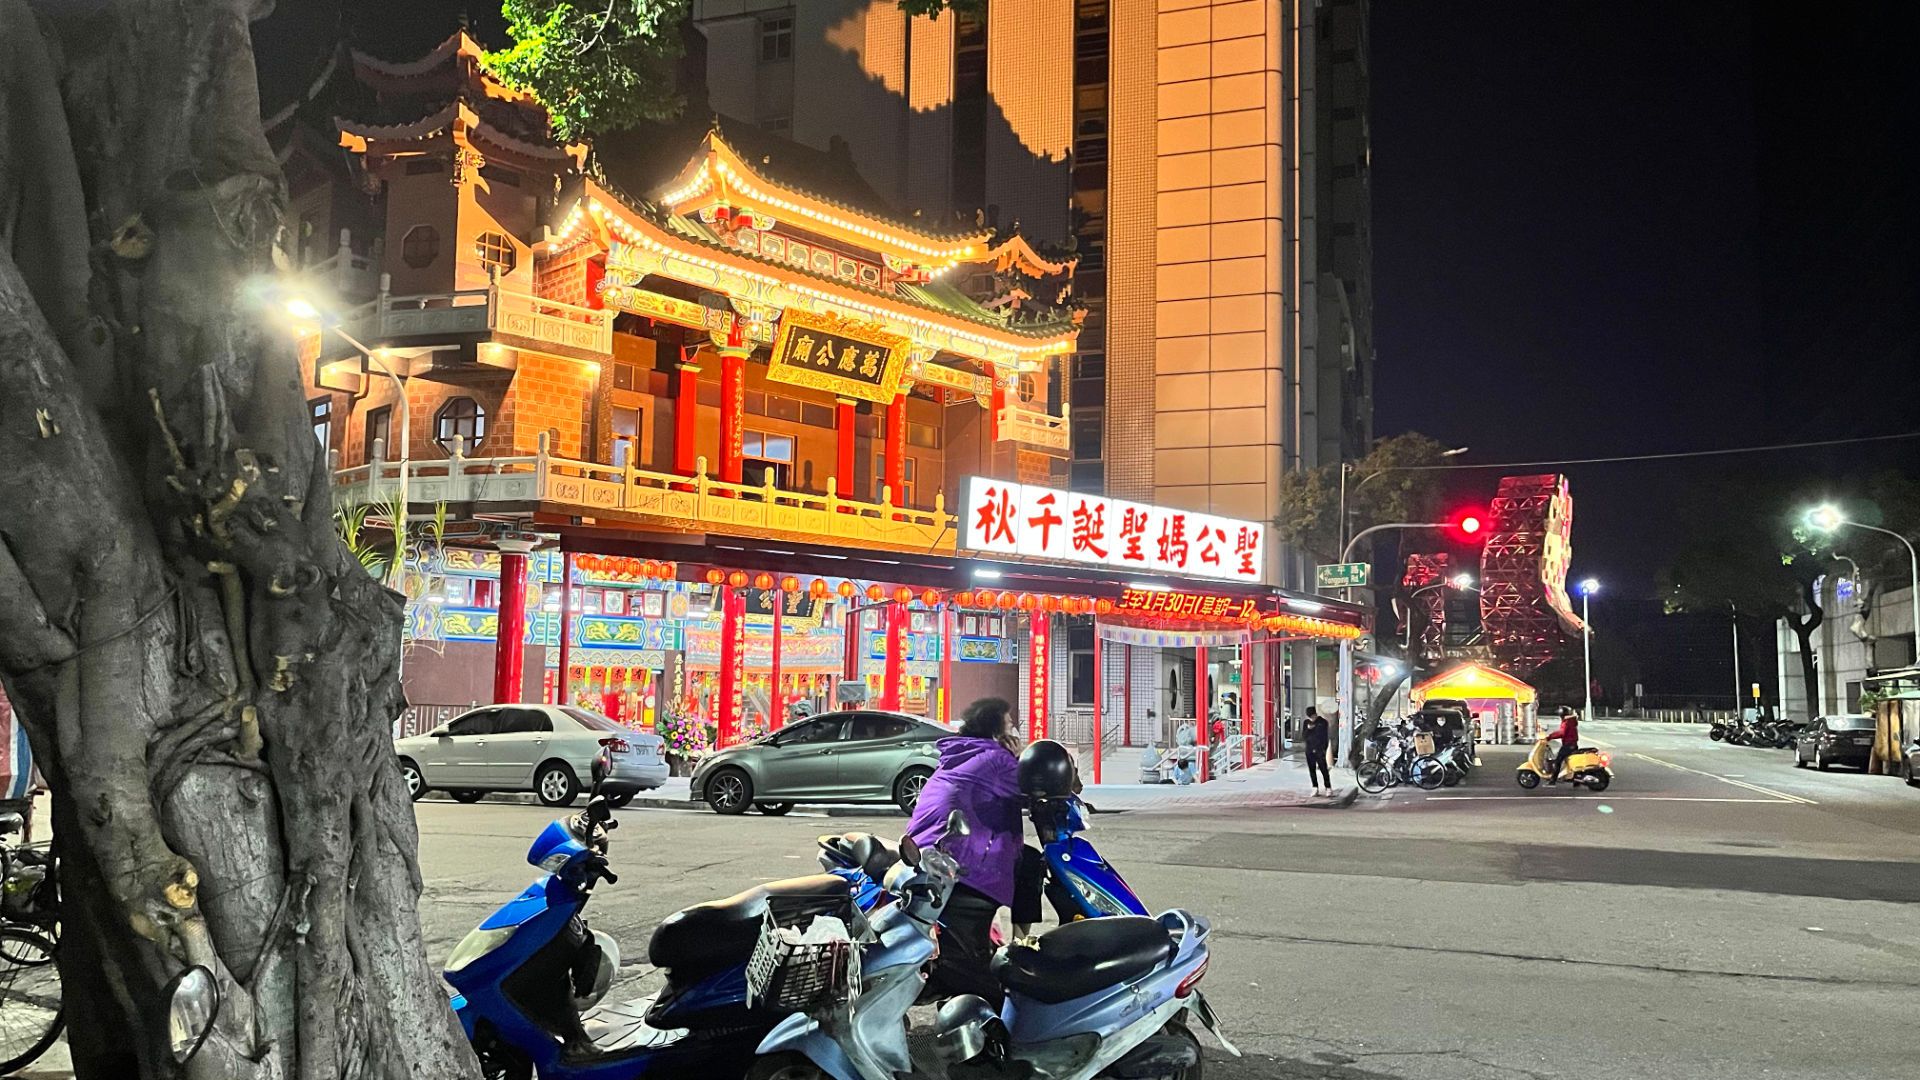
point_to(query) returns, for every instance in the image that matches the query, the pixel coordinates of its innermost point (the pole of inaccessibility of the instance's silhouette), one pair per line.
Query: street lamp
(1829, 519)
(1461, 581)
(1587, 589)
(1346, 470)
(304, 308)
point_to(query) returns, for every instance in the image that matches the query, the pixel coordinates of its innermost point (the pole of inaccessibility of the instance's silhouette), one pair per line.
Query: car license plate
(1863, 740)
(1211, 1022)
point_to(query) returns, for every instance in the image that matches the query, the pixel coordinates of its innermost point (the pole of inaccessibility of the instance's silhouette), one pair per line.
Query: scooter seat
(872, 854)
(1084, 957)
(697, 941)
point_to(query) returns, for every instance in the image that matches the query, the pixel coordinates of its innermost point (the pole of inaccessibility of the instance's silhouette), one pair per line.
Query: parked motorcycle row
(812, 978)
(1742, 731)
(1430, 749)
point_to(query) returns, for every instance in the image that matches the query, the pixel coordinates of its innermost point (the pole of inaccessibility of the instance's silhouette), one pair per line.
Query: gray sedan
(853, 756)
(549, 750)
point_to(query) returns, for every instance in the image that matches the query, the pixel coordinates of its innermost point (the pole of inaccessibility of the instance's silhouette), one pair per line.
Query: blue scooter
(530, 978)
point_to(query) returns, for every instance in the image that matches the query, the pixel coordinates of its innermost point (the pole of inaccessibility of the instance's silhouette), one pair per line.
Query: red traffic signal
(1467, 524)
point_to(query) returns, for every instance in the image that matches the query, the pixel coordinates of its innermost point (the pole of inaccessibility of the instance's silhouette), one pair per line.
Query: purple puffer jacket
(976, 777)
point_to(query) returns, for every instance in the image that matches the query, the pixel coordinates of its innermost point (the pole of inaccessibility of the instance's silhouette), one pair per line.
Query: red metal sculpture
(1524, 608)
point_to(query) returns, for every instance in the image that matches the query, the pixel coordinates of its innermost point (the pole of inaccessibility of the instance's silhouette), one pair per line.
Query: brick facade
(552, 395)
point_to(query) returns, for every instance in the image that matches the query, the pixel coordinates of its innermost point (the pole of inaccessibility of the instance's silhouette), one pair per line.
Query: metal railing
(492, 309)
(1035, 428)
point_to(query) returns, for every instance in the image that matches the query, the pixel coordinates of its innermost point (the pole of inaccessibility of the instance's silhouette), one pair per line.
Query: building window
(1088, 425)
(768, 457)
(926, 435)
(420, 246)
(776, 39)
(495, 252)
(460, 418)
(817, 415)
(379, 426)
(779, 125)
(321, 411)
(908, 470)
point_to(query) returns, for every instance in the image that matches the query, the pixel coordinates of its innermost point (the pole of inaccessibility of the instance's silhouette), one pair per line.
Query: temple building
(693, 424)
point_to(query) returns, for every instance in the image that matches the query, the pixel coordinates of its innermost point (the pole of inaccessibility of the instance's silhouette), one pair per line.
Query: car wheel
(907, 789)
(467, 796)
(411, 776)
(1820, 760)
(1908, 768)
(773, 809)
(555, 785)
(729, 792)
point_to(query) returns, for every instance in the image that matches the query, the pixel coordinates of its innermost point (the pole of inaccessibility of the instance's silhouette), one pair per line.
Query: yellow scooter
(1586, 766)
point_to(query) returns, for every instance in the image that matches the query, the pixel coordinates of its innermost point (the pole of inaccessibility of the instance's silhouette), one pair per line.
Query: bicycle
(29, 888)
(32, 1007)
(1395, 757)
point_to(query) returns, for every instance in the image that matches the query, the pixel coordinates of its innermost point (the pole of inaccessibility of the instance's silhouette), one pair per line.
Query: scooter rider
(976, 776)
(1569, 735)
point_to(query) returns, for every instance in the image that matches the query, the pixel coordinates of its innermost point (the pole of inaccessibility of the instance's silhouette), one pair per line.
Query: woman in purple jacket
(976, 777)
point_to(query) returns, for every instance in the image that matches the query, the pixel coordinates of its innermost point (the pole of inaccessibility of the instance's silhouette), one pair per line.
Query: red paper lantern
(1007, 600)
(875, 593)
(930, 597)
(763, 580)
(846, 590)
(789, 584)
(903, 595)
(1049, 602)
(737, 579)
(1027, 601)
(667, 571)
(963, 599)
(716, 577)
(1103, 606)
(818, 590)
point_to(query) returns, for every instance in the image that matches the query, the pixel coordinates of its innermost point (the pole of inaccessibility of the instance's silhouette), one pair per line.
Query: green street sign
(1346, 575)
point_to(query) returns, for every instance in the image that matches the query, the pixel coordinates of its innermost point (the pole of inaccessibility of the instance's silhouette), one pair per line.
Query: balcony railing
(696, 503)
(1035, 429)
(491, 310)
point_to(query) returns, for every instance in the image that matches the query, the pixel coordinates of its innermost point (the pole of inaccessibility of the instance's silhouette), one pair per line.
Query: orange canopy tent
(1505, 705)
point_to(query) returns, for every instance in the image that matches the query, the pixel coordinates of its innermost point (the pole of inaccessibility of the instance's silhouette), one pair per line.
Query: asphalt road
(1717, 913)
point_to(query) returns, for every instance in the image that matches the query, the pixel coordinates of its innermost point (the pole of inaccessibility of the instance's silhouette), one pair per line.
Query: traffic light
(1467, 525)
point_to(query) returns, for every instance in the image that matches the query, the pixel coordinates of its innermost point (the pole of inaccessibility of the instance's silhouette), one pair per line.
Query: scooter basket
(792, 975)
(1423, 744)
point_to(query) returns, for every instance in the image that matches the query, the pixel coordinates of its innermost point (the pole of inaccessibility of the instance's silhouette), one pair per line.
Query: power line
(1657, 457)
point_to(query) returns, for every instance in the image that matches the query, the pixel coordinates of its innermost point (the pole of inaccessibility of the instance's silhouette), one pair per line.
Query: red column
(1099, 732)
(1246, 701)
(686, 417)
(733, 407)
(778, 694)
(566, 628)
(896, 643)
(1126, 695)
(1202, 723)
(509, 644)
(997, 403)
(896, 478)
(843, 469)
(946, 663)
(1040, 675)
(733, 659)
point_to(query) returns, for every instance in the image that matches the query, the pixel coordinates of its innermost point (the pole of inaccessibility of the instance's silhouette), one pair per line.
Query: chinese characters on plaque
(840, 356)
(1021, 519)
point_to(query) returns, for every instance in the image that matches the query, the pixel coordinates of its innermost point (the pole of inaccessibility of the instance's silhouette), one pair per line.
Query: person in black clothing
(1317, 734)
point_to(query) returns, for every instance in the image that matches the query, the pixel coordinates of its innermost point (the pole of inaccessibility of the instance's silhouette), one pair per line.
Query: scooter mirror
(909, 851)
(957, 825)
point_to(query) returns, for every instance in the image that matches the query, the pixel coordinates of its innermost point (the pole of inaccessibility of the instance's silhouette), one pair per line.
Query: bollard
(1246, 752)
(1204, 775)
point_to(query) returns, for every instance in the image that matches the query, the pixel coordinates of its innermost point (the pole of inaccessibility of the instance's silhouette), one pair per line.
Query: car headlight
(477, 944)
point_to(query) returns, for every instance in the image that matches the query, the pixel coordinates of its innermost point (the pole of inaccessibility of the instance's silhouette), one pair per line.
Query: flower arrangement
(686, 735)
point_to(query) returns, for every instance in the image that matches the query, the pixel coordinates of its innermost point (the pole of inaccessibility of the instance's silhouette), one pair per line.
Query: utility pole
(1738, 686)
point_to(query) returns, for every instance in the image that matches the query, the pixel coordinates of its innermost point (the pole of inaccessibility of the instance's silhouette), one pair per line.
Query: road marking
(1781, 795)
(1604, 798)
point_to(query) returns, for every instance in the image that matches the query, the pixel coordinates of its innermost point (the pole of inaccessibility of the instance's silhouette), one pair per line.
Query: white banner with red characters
(1005, 518)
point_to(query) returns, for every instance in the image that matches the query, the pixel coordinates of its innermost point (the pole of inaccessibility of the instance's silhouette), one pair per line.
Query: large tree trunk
(206, 675)
(1804, 624)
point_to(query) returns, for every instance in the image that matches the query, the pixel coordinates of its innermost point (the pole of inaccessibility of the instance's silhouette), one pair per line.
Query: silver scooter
(1105, 995)
(864, 1034)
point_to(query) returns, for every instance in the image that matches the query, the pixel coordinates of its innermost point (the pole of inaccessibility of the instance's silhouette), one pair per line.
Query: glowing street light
(1827, 518)
(302, 308)
(1588, 587)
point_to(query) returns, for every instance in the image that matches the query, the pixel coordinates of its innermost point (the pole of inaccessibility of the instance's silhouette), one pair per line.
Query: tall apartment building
(1207, 158)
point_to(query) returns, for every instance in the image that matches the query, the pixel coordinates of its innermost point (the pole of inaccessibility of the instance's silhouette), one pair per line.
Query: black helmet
(1046, 770)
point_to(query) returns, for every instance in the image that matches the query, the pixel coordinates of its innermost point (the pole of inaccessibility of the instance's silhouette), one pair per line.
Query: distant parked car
(1912, 768)
(549, 750)
(1828, 740)
(859, 755)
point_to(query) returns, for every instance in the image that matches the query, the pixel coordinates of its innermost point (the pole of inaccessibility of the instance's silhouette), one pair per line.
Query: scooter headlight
(477, 944)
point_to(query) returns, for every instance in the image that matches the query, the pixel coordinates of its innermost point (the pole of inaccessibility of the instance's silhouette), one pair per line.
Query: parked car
(544, 749)
(1912, 769)
(855, 755)
(1827, 740)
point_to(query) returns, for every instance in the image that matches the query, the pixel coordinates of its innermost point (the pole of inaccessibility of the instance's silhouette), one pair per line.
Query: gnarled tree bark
(207, 676)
